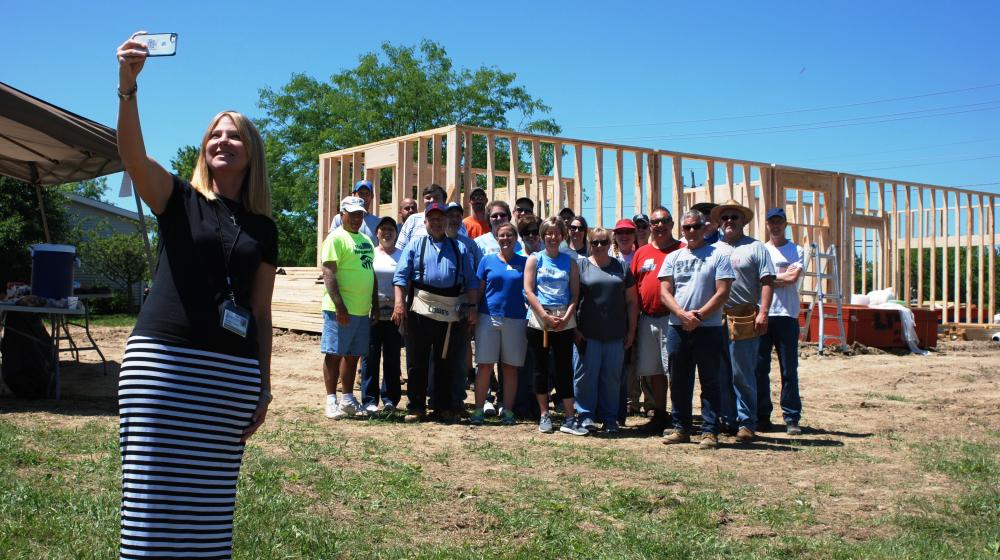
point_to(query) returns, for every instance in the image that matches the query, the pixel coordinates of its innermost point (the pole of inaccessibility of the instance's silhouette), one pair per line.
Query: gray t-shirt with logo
(751, 263)
(694, 273)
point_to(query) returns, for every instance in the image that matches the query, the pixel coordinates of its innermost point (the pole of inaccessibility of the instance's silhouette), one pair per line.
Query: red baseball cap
(624, 223)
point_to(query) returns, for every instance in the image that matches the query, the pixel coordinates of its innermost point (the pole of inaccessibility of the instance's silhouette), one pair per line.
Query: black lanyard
(222, 245)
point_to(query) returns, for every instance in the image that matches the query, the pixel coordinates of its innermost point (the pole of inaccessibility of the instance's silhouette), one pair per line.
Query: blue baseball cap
(454, 206)
(363, 184)
(434, 207)
(776, 213)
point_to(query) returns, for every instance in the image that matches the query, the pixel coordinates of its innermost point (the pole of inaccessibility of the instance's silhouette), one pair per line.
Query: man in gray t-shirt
(751, 295)
(694, 284)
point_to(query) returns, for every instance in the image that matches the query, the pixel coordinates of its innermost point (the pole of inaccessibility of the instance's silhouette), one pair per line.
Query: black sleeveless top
(189, 282)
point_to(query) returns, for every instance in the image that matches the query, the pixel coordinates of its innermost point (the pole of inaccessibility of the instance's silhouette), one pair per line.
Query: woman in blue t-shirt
(551, 287)
(500, 330)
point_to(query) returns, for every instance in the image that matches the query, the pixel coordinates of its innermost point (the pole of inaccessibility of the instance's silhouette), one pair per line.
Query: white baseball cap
(352, 204)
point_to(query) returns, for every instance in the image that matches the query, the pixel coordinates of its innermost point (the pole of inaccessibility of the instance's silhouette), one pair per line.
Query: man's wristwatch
(128, 95)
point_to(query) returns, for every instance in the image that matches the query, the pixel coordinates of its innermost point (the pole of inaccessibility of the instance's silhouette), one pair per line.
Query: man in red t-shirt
(477, 223)
(651, 336)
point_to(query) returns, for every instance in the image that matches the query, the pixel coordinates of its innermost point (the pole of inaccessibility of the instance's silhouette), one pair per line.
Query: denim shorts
(345, 340)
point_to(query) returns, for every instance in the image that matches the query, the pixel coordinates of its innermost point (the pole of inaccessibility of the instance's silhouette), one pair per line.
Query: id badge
(234, 318)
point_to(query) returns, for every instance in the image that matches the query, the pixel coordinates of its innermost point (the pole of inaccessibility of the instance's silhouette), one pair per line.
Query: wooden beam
(512, 177)
(452, 167)
(491, 170)
(710, 179)
(992, 264)
(578, 179)
(422, 168)
(730, 181)
(652, 183)
(864, 241)
(677, 204)
(968, 256)
(944, 256)
(637, 184)
(325, 176)
(534, 193)
(619, 187)
(982, 258)
(557, 178)
(957, 264)
(599, 187)
(468, 179)
(403, 176)
(435, 160)
(933, 234)
(906, 256)
(920, 247)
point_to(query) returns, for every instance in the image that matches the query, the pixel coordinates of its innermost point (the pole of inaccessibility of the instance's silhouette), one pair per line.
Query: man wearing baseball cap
(641, 222)
(348, 274)
(415, 226)
(436, 288)
(477, 223)
(362, 189)
(746, 312)
(782, 328)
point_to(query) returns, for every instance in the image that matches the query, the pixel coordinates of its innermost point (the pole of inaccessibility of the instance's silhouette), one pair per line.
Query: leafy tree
(119, 257)
(21, 225)
(183, 162)
(396, 91)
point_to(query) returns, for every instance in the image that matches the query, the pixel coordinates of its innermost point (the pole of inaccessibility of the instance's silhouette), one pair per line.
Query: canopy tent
(43, 144)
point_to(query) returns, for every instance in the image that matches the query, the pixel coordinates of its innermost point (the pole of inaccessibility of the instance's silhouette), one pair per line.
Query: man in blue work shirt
(437, 278)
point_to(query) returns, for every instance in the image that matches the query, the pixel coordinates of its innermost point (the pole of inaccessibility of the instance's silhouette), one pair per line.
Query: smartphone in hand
(159, 44)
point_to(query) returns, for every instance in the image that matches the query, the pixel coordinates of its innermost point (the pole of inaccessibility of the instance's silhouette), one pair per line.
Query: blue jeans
(384, 342)
(783, 336)
(597, 384)
(702, 347)
(739, 382)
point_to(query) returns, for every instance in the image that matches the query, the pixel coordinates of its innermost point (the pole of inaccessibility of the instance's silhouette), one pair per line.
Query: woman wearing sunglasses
(606, 326)
(578, 236)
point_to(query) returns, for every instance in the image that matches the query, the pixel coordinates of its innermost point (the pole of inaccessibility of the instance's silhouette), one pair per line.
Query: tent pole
(41, 203)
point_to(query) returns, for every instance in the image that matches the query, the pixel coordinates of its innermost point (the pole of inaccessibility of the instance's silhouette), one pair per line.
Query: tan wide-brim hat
(731, 205)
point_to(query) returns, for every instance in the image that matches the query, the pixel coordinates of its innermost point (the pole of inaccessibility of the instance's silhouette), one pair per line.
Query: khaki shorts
(651, 346)
(501, 339)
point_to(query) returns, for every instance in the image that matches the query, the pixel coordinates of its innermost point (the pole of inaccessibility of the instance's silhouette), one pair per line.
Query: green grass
(117, 320)
(308, 491)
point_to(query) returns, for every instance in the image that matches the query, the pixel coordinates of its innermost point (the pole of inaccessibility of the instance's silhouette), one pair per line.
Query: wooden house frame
(880, 217)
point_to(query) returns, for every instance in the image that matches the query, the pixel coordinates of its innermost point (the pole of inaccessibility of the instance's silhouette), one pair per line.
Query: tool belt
(740, 321)
(447, 309)
(559, 310)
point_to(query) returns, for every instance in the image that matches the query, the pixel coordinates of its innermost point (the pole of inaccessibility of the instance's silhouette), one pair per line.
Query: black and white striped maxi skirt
(182, 414)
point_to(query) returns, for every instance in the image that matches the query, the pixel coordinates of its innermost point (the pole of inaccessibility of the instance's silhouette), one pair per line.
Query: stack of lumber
(297, 297)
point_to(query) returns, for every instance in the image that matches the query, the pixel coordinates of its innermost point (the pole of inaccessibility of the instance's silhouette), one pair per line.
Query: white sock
(331, 399)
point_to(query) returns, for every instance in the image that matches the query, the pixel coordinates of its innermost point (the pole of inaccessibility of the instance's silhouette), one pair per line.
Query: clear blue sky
(617, 72)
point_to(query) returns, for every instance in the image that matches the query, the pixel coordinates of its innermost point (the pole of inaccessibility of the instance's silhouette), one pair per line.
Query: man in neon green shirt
(349, 277)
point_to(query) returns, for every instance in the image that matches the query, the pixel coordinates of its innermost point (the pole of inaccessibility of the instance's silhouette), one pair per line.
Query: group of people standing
(587, 319)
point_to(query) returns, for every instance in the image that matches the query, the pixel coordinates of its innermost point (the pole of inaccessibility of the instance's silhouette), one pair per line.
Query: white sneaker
(489, 409)
(338, 413)
(331, 408)
(371, 409)
(349, 406)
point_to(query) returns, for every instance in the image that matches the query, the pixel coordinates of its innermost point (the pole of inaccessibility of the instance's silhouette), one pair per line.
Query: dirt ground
(863, 417)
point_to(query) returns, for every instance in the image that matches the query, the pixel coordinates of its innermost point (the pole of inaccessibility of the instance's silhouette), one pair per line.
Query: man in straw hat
(746, 316)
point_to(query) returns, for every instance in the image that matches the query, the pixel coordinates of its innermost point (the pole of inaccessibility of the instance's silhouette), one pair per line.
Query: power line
(836, 160)
(793, 111)
(840, 123)
(931, 163)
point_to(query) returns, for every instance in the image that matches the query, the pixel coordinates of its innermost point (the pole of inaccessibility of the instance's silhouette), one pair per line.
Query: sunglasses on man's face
(660, 221)
(730, 217)
(531, 233)
(599, 243)
(522, 210)
(499, 216)
(692, 227)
